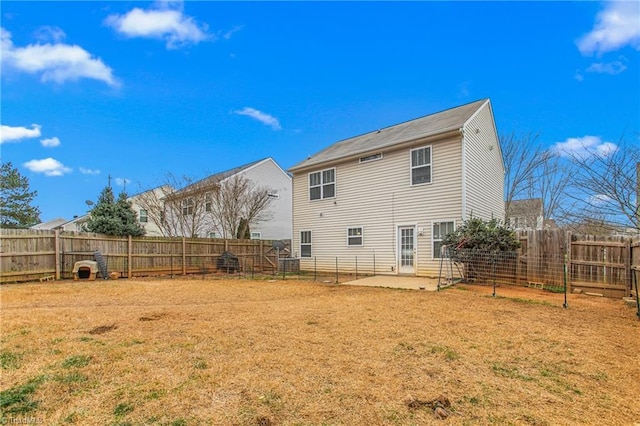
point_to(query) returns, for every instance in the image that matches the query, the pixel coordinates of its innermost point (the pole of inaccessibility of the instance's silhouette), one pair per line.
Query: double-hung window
(322, 184)
(421, 165)
(144, 217)
(354, 236)
(207, 202)
(187, 206)
(305, 243)
(440, 230)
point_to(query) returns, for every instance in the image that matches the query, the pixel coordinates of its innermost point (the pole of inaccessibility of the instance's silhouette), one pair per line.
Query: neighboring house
(527, 214)
(77, 224)
(394, 193)
(265, 173)
(50, 225)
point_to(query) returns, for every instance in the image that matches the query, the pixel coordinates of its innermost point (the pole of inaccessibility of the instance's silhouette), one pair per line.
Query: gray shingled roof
(430, 125)
(215, 178)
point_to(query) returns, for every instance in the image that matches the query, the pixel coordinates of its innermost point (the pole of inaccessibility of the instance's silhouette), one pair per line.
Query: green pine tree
(16, 210)
(128, 217)
(113, 217)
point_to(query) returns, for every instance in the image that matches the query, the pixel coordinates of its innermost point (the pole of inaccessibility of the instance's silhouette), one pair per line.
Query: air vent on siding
(373, 157)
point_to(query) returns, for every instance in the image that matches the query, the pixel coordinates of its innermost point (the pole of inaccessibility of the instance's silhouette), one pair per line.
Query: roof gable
(429, 125)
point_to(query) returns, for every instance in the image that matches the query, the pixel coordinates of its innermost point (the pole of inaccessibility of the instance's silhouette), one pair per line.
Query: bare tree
(237, 204)
(178, 207)
(603, 186)
(522, 157)
(226, 206)
(553, 177)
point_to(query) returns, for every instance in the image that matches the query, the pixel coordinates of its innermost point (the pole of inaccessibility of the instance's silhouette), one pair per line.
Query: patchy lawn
(235, 352)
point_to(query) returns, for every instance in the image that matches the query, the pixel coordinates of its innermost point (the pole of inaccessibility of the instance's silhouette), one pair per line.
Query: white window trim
(322, 197)
(145, 216)
(309, 244)
(433, 240)
(258, 235)
(188, 204)
(355, 236)
(430, 164)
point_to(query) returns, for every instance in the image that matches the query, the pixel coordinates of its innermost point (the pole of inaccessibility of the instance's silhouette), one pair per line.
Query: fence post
(634, 270)
(129, 257)
(184, 256)
(565, 305)
(356, 267)
(336, 270)
(374, 262)
(567, 261)
(57, 249)
(315, 268)
(493, 267)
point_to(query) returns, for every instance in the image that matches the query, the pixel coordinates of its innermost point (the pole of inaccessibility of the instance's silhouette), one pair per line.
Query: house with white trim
(197, 199)
(392, 194)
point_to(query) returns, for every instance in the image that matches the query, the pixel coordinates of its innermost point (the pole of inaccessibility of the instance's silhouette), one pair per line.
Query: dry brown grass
(192, 351)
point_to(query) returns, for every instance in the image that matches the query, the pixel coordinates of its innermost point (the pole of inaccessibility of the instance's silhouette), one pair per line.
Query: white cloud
(50, 142)
(262, 117)
(8, 133)
(122, 181)
(47, 166)
(584, 146)
(55, 62)
(173, 26)
(227, 35)
(612, 68)
(616, 26)
(599, 199)
(48, 33)
(89, 171)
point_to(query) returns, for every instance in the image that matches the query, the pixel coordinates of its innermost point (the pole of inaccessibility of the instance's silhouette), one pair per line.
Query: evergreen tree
(16, 210)
(128, 217)
(113, 217)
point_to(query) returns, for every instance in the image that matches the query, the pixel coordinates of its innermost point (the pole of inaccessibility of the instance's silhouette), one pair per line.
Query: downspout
(464, 174)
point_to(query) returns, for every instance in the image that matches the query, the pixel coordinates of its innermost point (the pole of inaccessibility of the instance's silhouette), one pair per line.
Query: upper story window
(144, 217)
(421, 165)
(187, 206)
(207, 202)
(322, 184)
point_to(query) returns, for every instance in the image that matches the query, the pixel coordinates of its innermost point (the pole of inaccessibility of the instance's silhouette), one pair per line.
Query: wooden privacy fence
(597, 264)
(27, 255)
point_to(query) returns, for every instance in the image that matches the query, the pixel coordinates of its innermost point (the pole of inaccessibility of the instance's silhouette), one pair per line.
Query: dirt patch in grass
(235, 352)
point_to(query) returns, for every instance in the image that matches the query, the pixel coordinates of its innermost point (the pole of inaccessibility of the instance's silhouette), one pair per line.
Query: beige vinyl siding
(484, 171)
(378, 196)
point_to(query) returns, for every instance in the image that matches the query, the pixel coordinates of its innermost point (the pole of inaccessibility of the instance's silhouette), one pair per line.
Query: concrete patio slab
(410, 283)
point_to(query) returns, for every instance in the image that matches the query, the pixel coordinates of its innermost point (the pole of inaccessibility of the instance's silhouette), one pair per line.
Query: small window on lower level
(305, 243)
(256, 235)
(355, 236)
(440, 230)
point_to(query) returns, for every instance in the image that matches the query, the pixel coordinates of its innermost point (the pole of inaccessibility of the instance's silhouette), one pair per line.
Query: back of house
(383, 201)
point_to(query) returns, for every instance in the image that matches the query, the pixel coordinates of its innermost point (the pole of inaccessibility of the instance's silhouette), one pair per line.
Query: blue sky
(138, 89)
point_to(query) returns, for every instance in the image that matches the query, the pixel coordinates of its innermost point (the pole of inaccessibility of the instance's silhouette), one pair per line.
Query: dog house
(85, 270)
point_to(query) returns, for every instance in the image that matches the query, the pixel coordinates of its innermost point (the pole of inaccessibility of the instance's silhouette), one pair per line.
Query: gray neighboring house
(394, 193)
(526, 214)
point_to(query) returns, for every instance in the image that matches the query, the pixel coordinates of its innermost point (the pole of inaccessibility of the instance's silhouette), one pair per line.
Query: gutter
(448, 133)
